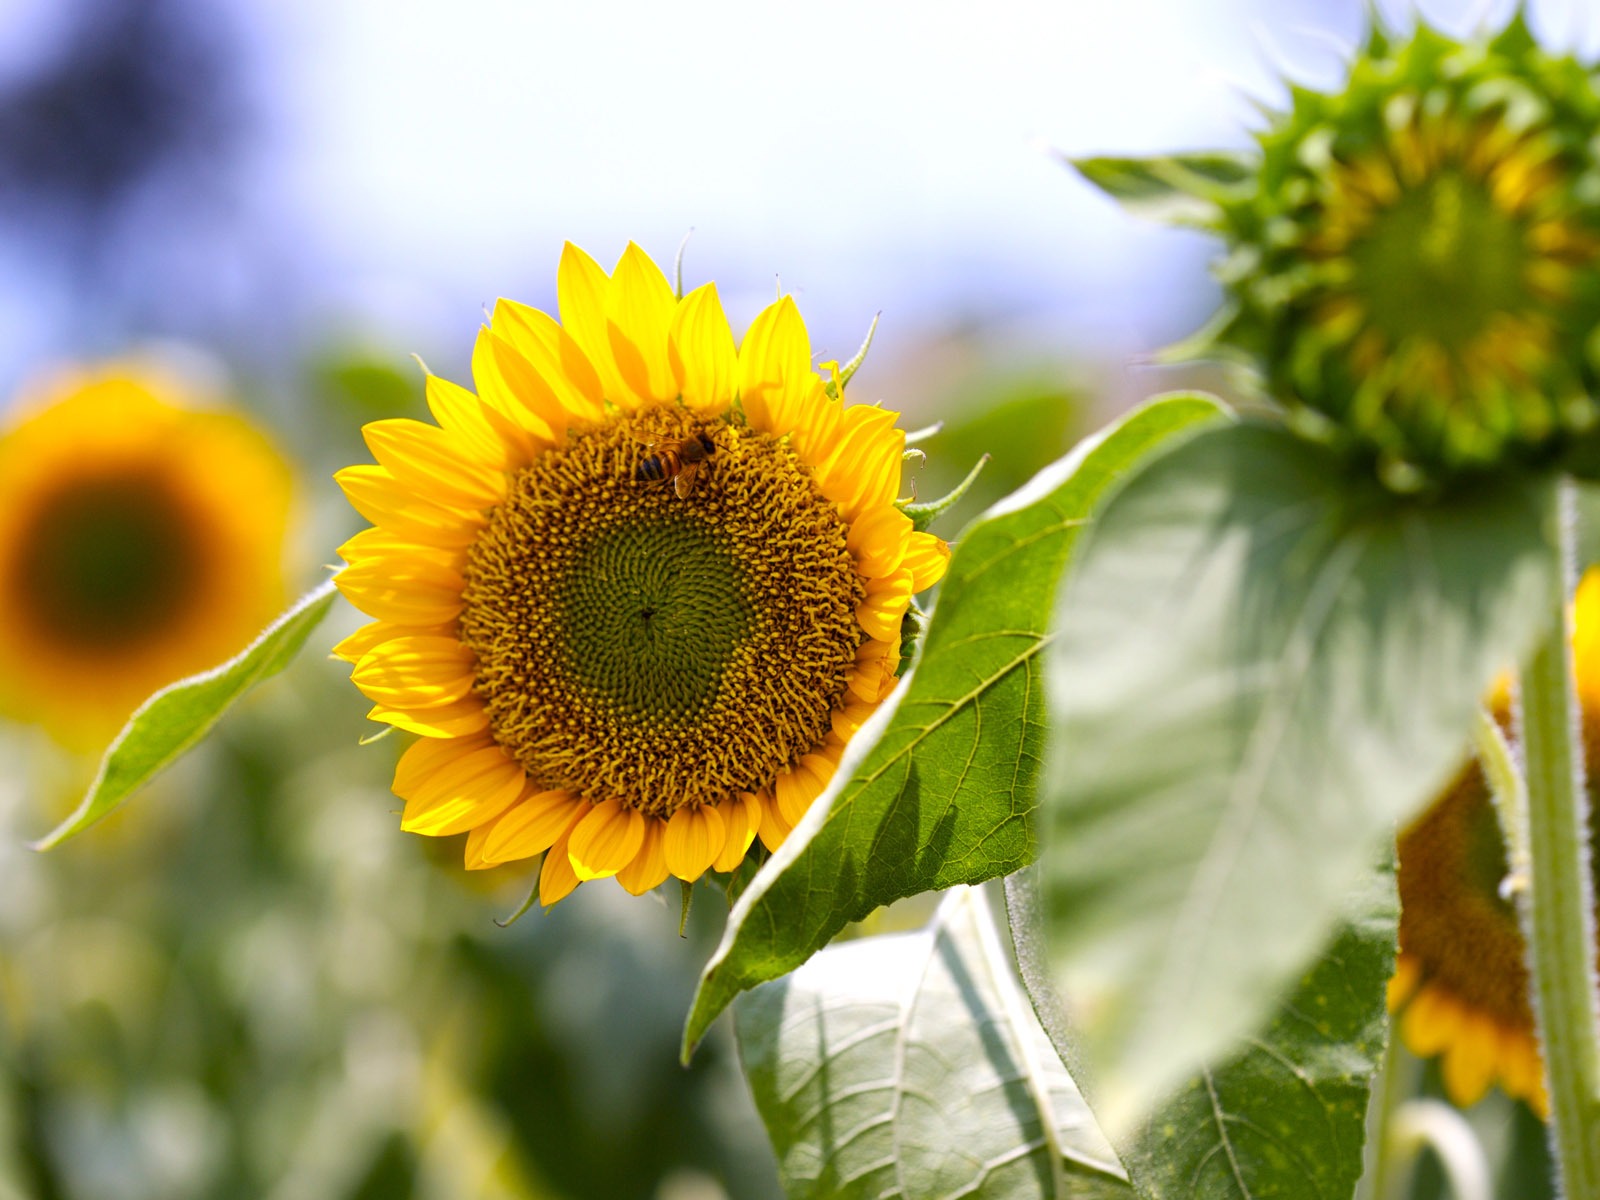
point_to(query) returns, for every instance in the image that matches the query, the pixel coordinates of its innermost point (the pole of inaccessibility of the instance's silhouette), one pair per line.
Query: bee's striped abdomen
(657, 468)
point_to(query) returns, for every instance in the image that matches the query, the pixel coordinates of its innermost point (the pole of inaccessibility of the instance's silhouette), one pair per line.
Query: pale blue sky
(416, 159)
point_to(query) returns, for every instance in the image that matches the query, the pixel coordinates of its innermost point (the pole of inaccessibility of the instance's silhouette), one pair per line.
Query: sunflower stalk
(1557, 906)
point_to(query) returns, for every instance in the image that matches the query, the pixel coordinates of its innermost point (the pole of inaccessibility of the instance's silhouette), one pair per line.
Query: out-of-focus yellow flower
(638, 592)
(141, 540)
(1461, 982)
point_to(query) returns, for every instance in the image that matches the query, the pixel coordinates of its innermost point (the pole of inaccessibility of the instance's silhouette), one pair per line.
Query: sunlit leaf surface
(944, 795)
(177, 717)
(910, 1066)
(1261, 668)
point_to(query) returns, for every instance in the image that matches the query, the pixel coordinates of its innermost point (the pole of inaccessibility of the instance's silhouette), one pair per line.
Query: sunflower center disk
(1441, 263)
(659, 649)
(1456, 922)
(107, 562)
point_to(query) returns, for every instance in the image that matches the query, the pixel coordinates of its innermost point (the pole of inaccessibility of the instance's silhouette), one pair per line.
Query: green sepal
(527, 901)
(686, 902)
(925, 514)
(1175, 189)
(912, 626)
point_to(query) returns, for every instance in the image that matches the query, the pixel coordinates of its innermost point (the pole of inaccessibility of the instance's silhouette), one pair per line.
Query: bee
(677, 459)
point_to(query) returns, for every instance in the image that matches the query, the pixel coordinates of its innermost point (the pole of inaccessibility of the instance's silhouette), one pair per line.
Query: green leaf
(942, 793)
(1262, 666)
(1286, 1116)
(176, 718)
(1175, 189)
(909, 1066)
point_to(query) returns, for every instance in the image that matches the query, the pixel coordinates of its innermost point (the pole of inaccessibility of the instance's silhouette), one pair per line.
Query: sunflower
(1461, 982)
(1415, 262)
(127, 559)
(638, 591)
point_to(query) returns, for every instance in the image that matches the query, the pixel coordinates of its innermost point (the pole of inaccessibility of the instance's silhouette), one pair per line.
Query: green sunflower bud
(1414, 261)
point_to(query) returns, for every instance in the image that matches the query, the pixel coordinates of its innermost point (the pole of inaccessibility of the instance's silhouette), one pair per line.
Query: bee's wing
(659, 444)
(683, 482)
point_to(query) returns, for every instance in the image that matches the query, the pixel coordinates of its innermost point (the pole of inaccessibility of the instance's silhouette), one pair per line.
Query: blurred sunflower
(1416, 260)
(140, 541)
(1461, 982)
(638, 592)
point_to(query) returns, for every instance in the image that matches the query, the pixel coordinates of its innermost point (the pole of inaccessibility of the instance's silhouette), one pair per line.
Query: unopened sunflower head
(141, 540)
(637, 592)
(1461, 987)
(1413, 261)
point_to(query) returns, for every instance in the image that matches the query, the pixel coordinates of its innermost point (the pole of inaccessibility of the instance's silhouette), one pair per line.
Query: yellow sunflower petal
(927, 558)
(864, 469)
(1430, 1022)
(776, 353)
(847, 721)
(694, 838)
(358, 644)
(1586, 639)
(802, 784)
(700, 347)
(886, 603)
(551, 351)
(1522, 1070)
(532, 421)
(606, 840)
(464, 793)
(581, 287)
(376, 495)
(649, 867)
(441, 721)
(812, 421)
(1407, 974)
(473, 859)
(639, 309)
(879, 539)
(463, 414)
(412, 591)
(741, 817)
(534, 825)
(415, 672)
(774, 830)
(427, 756)
(1469, 1061)
(873, 677)
(375, 542)
(434, 462)
(557, 879)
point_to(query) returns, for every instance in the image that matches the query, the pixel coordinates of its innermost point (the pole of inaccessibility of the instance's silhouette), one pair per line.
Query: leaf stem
(1557, 906)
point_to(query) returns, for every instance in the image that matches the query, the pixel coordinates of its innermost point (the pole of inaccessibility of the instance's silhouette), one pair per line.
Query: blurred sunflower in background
(1461, 983)
(1415, 261)
(141, 540)
(638, 592)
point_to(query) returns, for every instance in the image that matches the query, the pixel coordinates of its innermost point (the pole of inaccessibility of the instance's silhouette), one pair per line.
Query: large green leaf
(1176, 189)
(176, 718)
(1262, 665)
(943, 795)
(910, 1065)
(1285, 1116)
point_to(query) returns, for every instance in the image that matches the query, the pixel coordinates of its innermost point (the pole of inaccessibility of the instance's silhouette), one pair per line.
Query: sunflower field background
(1190, 876)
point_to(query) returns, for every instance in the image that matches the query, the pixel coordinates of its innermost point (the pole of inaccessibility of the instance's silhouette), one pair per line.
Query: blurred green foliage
(253, 984)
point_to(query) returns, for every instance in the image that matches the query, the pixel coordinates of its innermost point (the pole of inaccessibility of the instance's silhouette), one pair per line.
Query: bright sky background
(418, 159)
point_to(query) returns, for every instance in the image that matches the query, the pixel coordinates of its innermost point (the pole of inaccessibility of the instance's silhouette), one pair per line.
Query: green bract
(1413, 262)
